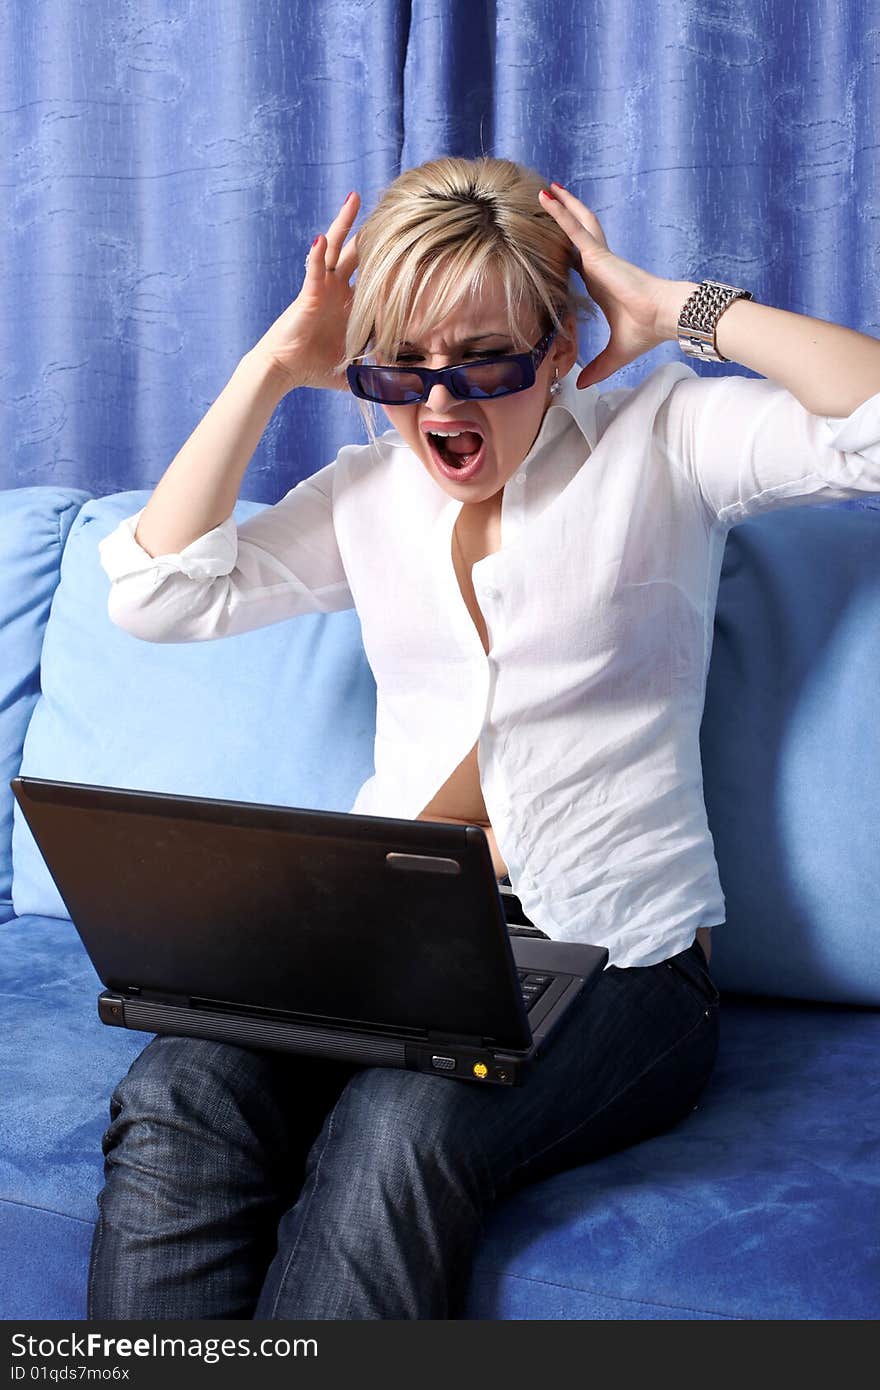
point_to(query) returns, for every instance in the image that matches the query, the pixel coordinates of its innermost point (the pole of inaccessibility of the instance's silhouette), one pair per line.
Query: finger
(341, 226)
(574, 229)
(582, 215)
(316, 269)
(348, 258)
(581, 211)
(608, 361)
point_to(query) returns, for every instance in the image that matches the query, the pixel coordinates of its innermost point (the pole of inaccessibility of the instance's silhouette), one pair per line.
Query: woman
(535, 569)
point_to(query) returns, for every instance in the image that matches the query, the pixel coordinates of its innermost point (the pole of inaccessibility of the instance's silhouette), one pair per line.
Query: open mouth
(458, 454)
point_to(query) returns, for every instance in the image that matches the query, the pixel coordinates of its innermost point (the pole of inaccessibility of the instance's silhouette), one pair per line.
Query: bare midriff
(460, 800)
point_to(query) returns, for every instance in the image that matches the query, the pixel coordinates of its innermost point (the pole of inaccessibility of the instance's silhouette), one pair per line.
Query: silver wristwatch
(697, 320)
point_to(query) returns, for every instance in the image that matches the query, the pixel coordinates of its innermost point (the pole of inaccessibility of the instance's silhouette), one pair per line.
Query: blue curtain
(167, 163)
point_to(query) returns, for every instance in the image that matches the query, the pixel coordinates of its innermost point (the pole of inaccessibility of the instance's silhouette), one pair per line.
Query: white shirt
(599, 608)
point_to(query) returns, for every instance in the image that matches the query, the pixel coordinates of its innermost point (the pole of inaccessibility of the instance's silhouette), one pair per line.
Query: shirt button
(520, 479)
(491, 593)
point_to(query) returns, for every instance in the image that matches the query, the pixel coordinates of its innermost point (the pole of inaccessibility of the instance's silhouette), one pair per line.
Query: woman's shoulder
(355, 461)
(363, 477)
(645, 401)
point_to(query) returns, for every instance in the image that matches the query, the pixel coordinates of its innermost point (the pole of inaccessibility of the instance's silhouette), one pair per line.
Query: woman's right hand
(305, 343)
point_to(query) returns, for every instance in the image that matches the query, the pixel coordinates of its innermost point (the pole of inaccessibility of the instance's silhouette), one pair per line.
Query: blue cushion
(59, 1065)
(756, 1206)
(34, 522)
(47, 1287)
(790, 746)
(284, 715)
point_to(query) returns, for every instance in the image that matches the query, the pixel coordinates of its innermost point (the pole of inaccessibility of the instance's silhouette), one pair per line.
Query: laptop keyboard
(532, 986)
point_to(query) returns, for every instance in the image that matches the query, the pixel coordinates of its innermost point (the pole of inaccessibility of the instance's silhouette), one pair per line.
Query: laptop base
(478, 1064)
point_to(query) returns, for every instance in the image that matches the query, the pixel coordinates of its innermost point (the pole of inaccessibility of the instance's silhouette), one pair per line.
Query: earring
(557, 384)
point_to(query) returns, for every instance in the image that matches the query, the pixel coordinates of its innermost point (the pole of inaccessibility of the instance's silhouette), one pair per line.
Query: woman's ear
(565, 347)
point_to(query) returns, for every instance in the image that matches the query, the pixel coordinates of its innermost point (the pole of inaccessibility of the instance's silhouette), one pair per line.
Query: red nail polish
(554, 184)
(548, 194)
(347, 196)
(317, 239)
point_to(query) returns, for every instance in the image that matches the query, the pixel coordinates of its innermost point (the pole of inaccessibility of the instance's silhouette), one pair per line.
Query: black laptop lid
(390, 923)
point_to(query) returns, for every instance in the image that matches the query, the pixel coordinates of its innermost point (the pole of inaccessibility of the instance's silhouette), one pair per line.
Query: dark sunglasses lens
(487, 379)
(390, 386)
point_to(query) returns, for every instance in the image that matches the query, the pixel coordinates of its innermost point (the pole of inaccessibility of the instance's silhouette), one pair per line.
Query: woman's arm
(180, 569)
(283, 561)
(830, 370)
(200, 486)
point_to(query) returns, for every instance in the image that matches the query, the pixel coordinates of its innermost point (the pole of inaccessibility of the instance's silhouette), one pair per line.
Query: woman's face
(509, 425)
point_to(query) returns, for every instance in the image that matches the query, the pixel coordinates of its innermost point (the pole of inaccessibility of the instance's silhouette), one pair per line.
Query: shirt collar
(568, 404)
(579, 403)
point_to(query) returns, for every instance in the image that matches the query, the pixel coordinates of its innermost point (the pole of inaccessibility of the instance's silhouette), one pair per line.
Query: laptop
(371, 939)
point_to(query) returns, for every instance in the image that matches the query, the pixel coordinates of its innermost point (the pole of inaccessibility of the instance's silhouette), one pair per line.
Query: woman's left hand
(636, 304)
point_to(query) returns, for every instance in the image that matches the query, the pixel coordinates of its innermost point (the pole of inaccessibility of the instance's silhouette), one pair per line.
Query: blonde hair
(447, 225)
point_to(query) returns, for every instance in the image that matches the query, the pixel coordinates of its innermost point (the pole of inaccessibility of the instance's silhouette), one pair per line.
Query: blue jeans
(246, 1184)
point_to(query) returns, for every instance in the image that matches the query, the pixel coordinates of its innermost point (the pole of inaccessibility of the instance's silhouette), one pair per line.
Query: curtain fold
(166, 166)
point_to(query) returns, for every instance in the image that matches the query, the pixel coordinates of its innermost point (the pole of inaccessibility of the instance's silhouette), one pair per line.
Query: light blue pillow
(790, 746)
(34, 522)
(283, 715)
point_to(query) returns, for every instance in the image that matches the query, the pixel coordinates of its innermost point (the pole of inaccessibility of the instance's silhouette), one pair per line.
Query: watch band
(700, 315)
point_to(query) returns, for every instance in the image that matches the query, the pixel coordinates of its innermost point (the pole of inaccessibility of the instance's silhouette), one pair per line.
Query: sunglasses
(486, 379)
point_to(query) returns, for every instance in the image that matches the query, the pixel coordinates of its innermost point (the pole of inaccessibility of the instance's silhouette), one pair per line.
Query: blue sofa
(765, 1202)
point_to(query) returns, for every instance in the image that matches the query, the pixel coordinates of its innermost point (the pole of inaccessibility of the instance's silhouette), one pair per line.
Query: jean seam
(330, 1123)
(93, 1257)
(634, 1081)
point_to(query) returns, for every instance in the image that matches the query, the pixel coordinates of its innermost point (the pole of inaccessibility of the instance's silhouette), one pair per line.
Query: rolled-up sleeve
(748, 446)
(281, 563)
